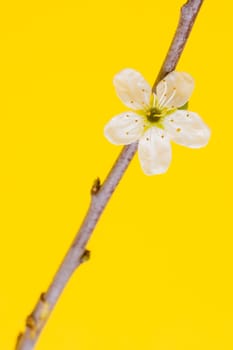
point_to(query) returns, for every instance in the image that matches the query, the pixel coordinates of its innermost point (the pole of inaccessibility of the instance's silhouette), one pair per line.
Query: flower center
(154, 114)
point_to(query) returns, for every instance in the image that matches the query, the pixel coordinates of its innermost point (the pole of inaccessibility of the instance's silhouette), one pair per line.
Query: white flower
(156, 119)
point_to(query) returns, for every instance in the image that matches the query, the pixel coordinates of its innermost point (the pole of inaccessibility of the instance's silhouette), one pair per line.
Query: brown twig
(188, 14)
(100, 195)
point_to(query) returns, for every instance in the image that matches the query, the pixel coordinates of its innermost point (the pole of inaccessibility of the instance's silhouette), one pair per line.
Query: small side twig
(100, 195)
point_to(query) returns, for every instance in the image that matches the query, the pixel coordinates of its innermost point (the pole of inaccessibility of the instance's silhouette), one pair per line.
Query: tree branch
(188, 14)
(100, 195)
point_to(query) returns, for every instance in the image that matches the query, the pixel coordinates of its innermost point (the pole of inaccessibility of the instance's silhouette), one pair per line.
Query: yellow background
(160, 274)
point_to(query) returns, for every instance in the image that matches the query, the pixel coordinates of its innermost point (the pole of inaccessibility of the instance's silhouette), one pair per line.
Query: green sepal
(185, 106)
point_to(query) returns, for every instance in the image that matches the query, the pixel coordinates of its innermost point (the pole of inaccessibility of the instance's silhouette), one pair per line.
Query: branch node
(43, 297)
(96, 186)
(86, 256)
(31, 322)
(18, 341)
(44, 311)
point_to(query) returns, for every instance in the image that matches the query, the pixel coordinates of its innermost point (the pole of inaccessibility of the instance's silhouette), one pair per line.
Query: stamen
(154, 99)
(163, 100)
(170, 98)
(163, 97)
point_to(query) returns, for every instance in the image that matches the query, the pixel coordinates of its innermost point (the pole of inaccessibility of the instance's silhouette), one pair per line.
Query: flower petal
(187, 129)
(124, 129)
(132, 89)
(175, 89)
(154, 151)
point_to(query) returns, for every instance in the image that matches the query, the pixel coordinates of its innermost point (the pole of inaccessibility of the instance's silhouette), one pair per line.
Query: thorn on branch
(43, 297)
(86, 256)
(96, 186)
